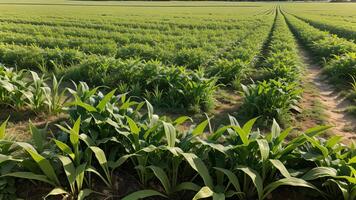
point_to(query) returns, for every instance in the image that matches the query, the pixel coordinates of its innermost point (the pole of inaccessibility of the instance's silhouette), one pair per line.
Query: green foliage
(272, 99)
(26, 89)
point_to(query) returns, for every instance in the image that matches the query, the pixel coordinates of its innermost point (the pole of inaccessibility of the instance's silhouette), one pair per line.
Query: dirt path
(334, 105)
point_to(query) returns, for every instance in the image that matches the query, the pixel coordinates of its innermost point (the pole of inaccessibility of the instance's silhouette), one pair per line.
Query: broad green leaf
(256, 179)
(4, 158)
(120, 161)
(74, 133)
(45, 166)
(187, 186)
(243, 135)
(218, 196)
(105, 100)
(248, 126)
(149, 109)
(86, 139)
(142, 194)
(133, 126)
(170, 133)
(93, 170)
(31, 176)
(55, 192)
(200, 128)
(264, 148)
(203, 193)
(84, 193)
(343, 187)
(232, 178)
(181, 120)
(69, 170)
(352, 160)
(275, 130)
(79, 172)
(316, 144)
(291, 181)
(65, 148)
(333, 141)
(163, 178)
(100, 156)
(3, 129)
(198, 165)
(79, 103)
(319, 172)
(280, 166)
(37, 137)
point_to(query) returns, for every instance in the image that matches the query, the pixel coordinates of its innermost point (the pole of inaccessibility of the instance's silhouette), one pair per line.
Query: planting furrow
(339, 67)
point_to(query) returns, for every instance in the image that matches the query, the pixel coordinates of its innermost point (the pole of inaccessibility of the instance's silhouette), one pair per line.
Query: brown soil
(19, 121)
(334, 104)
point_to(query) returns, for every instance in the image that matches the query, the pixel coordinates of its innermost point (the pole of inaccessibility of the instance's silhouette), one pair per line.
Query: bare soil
(333, 103)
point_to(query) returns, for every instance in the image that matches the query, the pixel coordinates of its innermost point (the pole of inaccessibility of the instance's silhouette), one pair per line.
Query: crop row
(121, 25)
(90, 32)
(338, 53)
(274, 97)
(334, 27)
(111, 134)
(234, 62)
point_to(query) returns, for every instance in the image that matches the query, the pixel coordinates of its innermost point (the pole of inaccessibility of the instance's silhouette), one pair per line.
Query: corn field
(176, 100)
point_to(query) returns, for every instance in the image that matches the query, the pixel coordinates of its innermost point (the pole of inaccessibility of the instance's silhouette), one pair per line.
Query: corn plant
(272, 99)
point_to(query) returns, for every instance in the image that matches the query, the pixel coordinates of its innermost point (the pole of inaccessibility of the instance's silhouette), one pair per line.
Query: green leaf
(120, 161)
(243, 135)
(65, 148)
(170, 132)
(149, 109)
(264, 148)
(84, 193)
(79, 103)
(200, 128)
(319, 172)
(316, 144)
(55, 192)
(275, 130)
(203, 193)
(133, 126)
(181, 120)
(291, 181)
(69, 170)
(333, 141)
(42, 162)
(37, 136)
(280, 166)
(105, 100)
(93, 170)
(3, 129)
(232, 178)
(31, 176)
(79, 172)
(45, 166)
(143, 194)
(4, 158)
(218, 196)
(74, 133)
(187, 186)
(100, 156)
(256, 179)
(198, 165)
(248, 126)
(162, 176)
